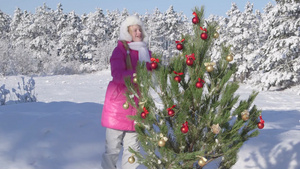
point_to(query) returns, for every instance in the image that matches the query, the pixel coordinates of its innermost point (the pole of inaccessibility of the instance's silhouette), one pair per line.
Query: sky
(212, 7)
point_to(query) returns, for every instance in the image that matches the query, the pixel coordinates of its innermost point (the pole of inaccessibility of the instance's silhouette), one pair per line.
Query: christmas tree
(188, 114)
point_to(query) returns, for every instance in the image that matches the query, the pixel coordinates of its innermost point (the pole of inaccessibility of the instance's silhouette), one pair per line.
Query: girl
(120, 131)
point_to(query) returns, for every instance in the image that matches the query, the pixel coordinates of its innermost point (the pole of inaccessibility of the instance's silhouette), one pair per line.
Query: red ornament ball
(179, 46)
(153, 65)
(260, 125)
(199, 85)
(184, 129)
(204, 35)
(177, 78)
(189, 61)
(143, 115)
(195, 20)
(171, 113)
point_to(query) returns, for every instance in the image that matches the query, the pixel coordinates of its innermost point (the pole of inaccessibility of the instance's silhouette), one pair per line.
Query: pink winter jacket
(114, 115)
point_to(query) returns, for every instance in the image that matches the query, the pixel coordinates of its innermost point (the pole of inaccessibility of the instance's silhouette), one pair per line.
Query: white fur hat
(131, 20)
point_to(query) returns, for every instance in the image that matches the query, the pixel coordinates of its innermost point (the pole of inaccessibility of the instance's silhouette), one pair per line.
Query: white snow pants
(115, 139)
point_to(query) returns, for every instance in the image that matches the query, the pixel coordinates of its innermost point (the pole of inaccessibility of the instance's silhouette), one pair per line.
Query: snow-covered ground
(63, 131)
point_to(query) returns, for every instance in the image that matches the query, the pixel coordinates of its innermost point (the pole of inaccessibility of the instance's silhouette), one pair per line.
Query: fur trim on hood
(131, 20)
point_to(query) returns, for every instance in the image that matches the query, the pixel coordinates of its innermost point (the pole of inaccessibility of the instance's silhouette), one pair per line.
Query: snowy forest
(265, 44)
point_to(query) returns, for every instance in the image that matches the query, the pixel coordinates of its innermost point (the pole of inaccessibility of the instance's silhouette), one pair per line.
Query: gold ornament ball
(209, 68)
(229, 58)
(131, 159)
(134, 80)
(201, 162)
(161, 143)
(216, 131)
(126, 105)
(245, 117)
(216, 35)
(216, 128)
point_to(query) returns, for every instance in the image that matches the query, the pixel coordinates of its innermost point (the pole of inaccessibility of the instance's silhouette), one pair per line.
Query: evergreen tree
(114, 23)
(68, 45)
(278, 63)
(15, 55)
(241, 31)
(164, 29)
(60, 19)
(20, 28)
(171, 30)
(265, 45)
(188, 112)
(18, 56)
(154, 25)
(287, 1)
(43, 35)
(4, 41)
(4, 25)
(95, 41)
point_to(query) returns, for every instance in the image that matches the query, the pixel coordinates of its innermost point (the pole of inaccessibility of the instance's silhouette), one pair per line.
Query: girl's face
(136, 33)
